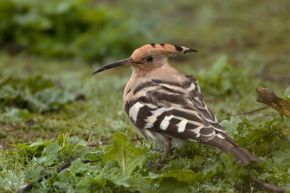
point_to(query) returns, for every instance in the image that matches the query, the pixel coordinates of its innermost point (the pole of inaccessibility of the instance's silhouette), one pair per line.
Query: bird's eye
(149, 59)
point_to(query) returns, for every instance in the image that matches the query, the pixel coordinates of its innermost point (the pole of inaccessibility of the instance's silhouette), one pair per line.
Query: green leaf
(116, 176)
(173, 186)
(218, 67)
(125, 154)
(16, 115)
(34, 94)
(175, 180)
(33, 174)
(282, 157)
(32, 149)
(232, 124)
(187, 176)
(93, 156)
(49, 155)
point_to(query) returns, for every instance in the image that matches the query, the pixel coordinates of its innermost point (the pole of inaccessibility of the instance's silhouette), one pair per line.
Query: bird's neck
(166, 73)
(140, 71)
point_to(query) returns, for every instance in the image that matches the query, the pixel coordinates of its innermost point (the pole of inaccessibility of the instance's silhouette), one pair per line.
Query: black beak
(113, 65)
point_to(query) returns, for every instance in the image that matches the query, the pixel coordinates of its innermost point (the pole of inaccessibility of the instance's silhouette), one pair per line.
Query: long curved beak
(113, 65)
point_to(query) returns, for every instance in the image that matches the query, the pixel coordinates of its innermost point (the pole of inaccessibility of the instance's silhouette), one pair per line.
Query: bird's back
(161, 92)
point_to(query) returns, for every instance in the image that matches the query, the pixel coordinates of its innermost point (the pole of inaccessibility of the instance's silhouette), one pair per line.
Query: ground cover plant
(53, 111)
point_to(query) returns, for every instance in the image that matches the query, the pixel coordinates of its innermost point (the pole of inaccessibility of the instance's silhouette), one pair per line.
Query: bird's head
(149, 56)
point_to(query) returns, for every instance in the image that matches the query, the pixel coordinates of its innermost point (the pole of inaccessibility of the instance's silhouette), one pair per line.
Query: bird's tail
(243, 156)
(228, 145)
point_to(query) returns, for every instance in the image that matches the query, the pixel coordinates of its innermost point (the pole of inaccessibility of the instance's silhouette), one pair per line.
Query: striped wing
(198, 101)
(172, 109)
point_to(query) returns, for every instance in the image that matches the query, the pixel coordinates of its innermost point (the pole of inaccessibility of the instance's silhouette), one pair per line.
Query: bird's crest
(172, 48)
(147, 52)
(160, 49)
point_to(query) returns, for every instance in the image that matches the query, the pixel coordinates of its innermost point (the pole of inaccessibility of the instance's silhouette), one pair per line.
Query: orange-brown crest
(158, 49)
(147, 52)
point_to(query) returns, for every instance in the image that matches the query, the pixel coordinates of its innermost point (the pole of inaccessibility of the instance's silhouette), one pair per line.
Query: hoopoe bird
(168, 106)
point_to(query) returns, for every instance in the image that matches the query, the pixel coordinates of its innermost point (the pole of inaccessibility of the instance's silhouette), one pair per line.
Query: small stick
(66, 165)
(255, 110)
(249, 112)
(266, 186)
(29, 186)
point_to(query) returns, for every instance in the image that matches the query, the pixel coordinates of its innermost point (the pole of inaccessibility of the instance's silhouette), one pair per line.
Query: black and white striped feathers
(175, 109)
(163, 109)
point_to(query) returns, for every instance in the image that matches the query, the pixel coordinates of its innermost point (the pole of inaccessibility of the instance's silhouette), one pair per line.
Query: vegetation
(53, 111)
(67, 28)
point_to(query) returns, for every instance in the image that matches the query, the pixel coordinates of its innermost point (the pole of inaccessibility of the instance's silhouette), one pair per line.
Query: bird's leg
(165, 155)
(167, 149)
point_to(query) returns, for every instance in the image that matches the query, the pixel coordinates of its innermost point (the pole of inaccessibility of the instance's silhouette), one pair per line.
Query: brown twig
(268, 97)
(254, 110)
